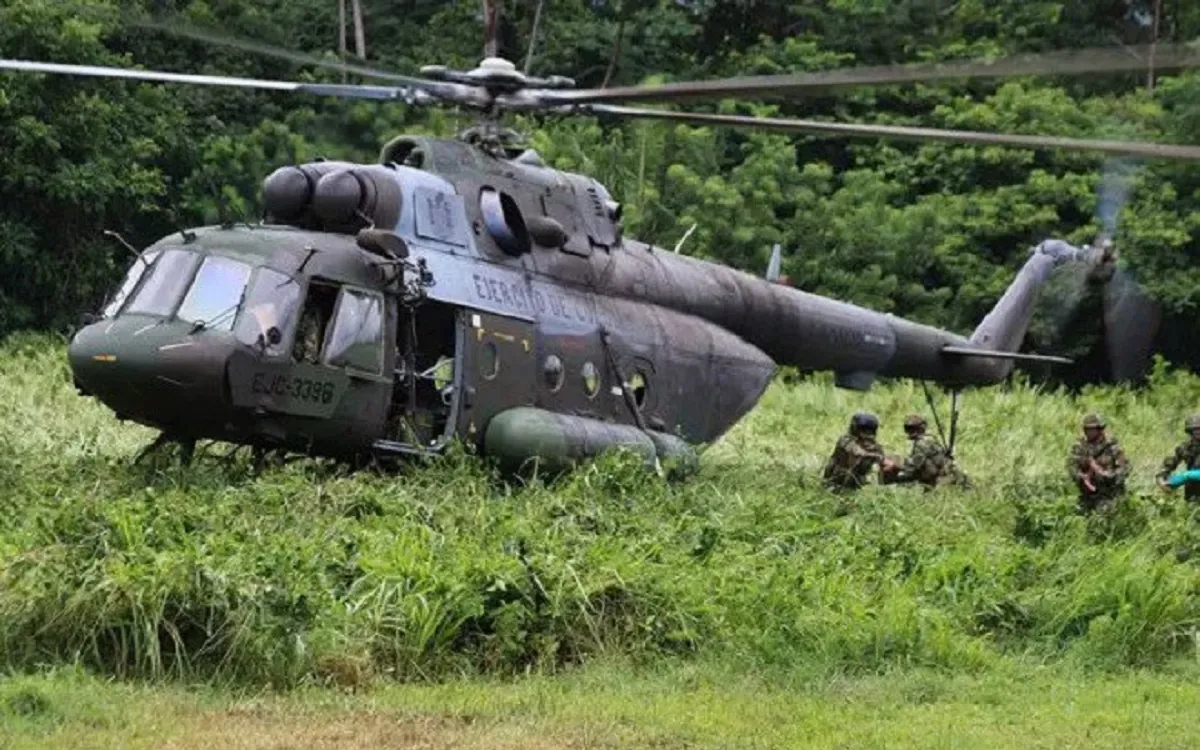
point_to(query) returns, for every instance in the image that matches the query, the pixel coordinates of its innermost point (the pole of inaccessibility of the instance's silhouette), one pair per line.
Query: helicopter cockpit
(209, 291)
(257, 336)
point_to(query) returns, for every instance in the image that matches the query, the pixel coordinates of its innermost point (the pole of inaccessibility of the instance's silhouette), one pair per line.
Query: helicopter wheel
(161, 449)
(262, 457)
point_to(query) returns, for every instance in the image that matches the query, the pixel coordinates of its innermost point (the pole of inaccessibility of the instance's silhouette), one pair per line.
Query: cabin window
(357, 337)
(132, 277)
(591, 379)
(270, 312)
(637, 387)
(216, 293)
(164, 286)
(552, 371)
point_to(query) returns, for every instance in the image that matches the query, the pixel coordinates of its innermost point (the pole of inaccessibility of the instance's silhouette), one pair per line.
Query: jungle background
(929, 231)
(217, 606)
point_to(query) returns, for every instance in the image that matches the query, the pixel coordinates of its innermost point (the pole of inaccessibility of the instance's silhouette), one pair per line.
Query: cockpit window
(132, 277)
(357, 339)
(272, 302)
(216, 294)
(166, 282)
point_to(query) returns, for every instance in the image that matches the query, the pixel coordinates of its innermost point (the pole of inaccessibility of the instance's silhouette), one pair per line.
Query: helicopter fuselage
(517, 317)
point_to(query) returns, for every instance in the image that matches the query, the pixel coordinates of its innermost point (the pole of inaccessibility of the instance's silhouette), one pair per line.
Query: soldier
(855, 454)
(1188, 454)
(1098, 466)
(309, 335)
(929, 463)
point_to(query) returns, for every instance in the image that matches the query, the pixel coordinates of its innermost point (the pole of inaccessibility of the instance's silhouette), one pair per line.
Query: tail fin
(1004, 327)
(1001, 331)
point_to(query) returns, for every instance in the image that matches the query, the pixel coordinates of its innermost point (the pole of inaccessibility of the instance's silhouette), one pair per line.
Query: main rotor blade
(1125, 148)
(1072, 62)
(257, 48)
(324, 89)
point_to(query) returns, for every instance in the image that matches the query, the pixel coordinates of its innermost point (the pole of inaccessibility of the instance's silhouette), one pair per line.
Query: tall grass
(308, 573)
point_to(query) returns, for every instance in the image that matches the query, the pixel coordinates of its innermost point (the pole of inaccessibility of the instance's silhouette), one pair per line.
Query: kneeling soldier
(929, 462)
(855, 454)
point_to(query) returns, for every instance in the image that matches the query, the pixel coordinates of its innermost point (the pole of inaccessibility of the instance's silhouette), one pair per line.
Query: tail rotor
(1131, 317)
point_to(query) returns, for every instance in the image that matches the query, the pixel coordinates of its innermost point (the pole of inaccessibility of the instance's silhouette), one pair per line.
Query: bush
(307, 573)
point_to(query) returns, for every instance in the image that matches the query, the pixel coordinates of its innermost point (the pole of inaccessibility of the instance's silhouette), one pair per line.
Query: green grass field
(743, 608)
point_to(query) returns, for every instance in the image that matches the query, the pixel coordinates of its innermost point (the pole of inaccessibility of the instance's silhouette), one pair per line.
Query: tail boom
(817, 333)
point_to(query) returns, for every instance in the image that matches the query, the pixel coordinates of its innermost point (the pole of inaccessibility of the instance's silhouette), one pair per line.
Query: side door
(499, 369)
(357, 344)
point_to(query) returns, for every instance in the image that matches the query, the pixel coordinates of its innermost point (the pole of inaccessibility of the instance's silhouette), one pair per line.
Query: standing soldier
(1098, 466)
(929, 463)
(1188, 454)
(855, 454)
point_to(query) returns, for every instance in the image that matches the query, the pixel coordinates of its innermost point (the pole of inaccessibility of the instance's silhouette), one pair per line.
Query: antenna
(774, 264)
(686, 234)
(117, 236)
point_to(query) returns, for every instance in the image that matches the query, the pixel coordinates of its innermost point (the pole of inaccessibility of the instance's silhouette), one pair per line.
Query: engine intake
(333, 196)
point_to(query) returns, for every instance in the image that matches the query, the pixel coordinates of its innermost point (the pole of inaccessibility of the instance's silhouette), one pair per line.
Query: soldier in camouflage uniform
(855, 454)
(929, 463)
(1188, 454)
(1098, 466)
(309, 335)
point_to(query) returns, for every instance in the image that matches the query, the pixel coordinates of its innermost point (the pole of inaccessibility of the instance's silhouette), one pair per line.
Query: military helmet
(864, 421)
(913, 421)
(1093, 420)
(1192, 423)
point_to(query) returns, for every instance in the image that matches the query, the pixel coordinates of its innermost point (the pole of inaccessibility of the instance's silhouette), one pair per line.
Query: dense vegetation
(305, 573)
(930, 231)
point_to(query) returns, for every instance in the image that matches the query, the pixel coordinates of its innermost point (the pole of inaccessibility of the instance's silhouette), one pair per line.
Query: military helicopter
(460, 288)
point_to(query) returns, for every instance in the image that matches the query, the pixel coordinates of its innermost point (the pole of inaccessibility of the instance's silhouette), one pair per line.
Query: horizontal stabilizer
(965, 351)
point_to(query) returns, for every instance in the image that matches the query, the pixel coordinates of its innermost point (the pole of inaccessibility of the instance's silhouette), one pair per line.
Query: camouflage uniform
(309, 334)
(929, 463)
(854, 455)
(1188, 454)
(1106, 454)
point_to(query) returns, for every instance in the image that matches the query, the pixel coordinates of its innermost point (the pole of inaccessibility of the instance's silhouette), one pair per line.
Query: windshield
(216, 293)
(162, 288)
(132, 277)
(272, 302)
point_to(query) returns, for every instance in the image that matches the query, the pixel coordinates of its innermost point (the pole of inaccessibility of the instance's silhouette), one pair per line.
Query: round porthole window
(637, 386)
(591, 379)
(552, 371)
(489, 361)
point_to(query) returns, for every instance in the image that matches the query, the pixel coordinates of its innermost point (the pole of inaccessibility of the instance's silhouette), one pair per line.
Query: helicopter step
(557, 442)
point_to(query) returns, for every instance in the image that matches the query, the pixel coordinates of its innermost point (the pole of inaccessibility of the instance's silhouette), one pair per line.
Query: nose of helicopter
(154, 372)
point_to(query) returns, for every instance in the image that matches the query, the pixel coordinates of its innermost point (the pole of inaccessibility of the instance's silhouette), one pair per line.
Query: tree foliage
(930, 231)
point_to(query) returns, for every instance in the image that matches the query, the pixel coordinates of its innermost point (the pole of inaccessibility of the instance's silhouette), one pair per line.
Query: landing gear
(954, 410)
(261, 458)
(167, 448)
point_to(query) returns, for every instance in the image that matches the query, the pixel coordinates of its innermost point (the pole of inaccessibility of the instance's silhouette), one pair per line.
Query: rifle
(1094, 470)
